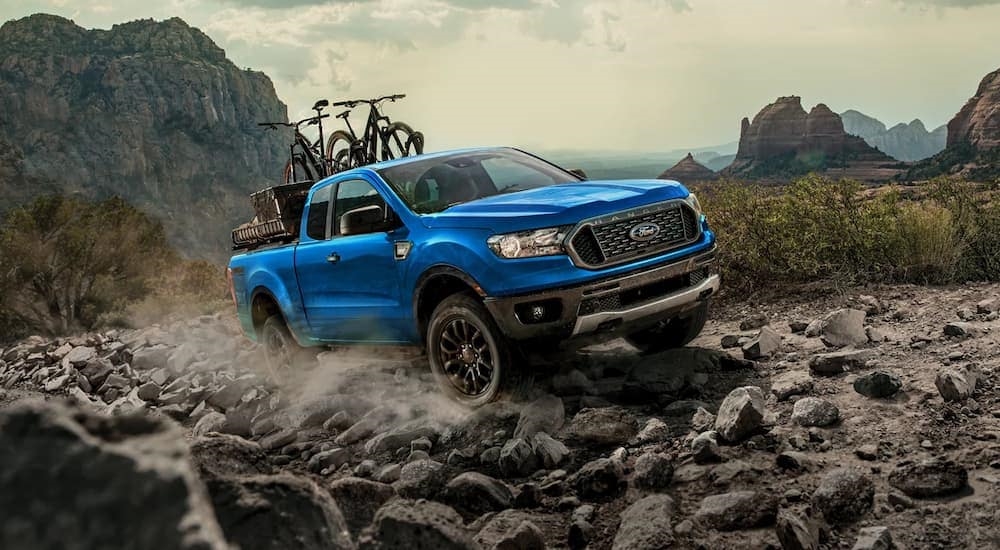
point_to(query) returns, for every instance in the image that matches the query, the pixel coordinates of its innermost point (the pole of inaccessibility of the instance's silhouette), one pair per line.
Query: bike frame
(374, 139)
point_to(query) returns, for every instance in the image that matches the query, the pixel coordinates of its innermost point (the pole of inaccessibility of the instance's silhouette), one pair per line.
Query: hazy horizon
(593, 75)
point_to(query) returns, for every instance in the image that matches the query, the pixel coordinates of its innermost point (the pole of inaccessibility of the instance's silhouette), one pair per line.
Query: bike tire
(305, 173)
(338, 148)
(401, 141)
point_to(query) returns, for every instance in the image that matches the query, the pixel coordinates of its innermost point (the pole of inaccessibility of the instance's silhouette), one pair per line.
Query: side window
(319, 207)
(507, 173)
(353, 194)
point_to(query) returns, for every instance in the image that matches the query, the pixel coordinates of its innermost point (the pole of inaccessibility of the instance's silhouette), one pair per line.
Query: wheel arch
(434, 285)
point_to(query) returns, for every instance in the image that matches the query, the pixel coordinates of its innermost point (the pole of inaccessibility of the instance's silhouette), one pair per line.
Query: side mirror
(367, 219)
(578, 172)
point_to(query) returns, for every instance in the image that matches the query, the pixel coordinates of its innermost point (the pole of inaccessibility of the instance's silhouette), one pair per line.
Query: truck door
(353, 279)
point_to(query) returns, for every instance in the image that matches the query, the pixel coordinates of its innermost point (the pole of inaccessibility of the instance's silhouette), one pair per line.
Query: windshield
(433, 185)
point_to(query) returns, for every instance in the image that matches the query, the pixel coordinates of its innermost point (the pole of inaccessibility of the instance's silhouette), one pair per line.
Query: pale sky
(645, 75)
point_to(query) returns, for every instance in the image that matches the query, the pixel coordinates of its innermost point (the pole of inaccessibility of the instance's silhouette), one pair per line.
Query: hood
(563, 204)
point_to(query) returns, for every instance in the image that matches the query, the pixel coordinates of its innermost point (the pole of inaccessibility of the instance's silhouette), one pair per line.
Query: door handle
(333, 258)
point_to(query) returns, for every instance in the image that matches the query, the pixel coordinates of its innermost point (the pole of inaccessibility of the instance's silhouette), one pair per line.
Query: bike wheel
(302, 171)
(401, 141)
(338, 149)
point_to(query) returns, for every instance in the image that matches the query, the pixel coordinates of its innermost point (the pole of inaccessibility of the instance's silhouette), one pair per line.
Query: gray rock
(96, 371)
(329, 459)
(155, 357)
(844, 327)
(581, 532)
(652, 472)
(526, 536)
(545, 414)
(956, 384)
(403, 436)
(417, 524)
(668, 372)
(814, 328)
(829, 364)
(705, 447)
(517, 459)
(988, 305)
(279, 439)
(549, 452)
(149, 391)
(133, 464)
(702, 420)
(730, 341)
(844, 495)
(230, 394)
(79, 356)
(420, 479)
(741, 413)
(473, 494)
(874, 538)
(929, 478)
(645, 525)
(388, 474)
(222, 455)
(962, 330)
(791, 383)
(764, 346)
(878, 385)
(813, 411)
(653, 431)
(359, 499)
(604, 426)
(211, 422)
(796, 532)
(737, 510)
(572, 383)
(490, 456)
(753, 322)
(598, 478)
(798, 327)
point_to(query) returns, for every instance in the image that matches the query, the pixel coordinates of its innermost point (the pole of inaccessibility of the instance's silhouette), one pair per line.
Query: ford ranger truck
(475, 255)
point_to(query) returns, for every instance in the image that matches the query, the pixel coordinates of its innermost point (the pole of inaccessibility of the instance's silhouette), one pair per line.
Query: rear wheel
(674, 333)
(470, 358)
(338, 150)
(281, 351)
(302, 171)
(401, 141)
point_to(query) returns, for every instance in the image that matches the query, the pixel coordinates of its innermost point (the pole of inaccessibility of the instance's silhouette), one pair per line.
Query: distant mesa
(689, 170)
(785, 141)
(973, 143)
(906, 142)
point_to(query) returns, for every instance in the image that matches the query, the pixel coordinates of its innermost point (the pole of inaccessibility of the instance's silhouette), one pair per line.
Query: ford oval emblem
(644, 231)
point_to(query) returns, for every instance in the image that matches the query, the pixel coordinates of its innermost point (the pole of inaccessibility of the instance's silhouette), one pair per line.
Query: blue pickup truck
(476, 255)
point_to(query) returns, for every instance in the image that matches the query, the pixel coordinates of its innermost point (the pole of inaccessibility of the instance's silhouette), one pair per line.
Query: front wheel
(338, 150)
(674, 333)
(470, 358)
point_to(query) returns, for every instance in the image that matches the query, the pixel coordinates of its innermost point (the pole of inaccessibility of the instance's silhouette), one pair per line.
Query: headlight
(526, 244)
(692, 201)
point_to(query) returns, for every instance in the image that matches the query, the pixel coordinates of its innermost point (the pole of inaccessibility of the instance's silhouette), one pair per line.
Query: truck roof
(404, 160)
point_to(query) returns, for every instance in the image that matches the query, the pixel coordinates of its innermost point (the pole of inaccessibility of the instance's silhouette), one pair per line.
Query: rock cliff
(906, 142)
(689, 170)
(783, 140)
(978, 123)
(151, 111)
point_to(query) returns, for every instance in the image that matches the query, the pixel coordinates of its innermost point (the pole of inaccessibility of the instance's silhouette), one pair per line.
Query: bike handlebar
(351, 103)
(311, 120)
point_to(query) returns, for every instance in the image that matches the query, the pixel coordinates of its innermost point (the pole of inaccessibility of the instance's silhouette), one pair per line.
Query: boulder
(791, 383)
(517, 459)
(844, 327)
(549, 452)
(962, 329)
(654, 430)
(796, 532)
(741, 413)
(646, 525)
(602, 427)
(219, 455)
(545, 414)
(330, 459)
(211, 422)
(764, 346)
(705, 447)
(473, 494)
(829, 364)
(598, 478)
(737, 510)
(754, 322)
(416, 524)
(813, 411)
(956, 384)
(844, 495)
(526, 536)
(420, 479)
(126, 466)
(359, 499)
(929, 478)
(652, 472)
(878, 385)
(150, 358)
(874, 538)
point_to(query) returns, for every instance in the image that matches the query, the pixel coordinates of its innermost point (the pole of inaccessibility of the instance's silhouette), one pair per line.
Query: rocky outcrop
(689, 170)
(907, 142)
(978, 122)
(149, 111)
(783, 140)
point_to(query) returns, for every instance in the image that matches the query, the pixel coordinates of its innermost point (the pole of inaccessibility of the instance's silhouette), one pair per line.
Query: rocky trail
(864, 419)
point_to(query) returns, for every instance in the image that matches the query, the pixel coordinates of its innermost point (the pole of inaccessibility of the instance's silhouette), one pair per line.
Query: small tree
(67, 261)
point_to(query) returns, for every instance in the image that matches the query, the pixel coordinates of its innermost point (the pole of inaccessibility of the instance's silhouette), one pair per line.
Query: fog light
(537, 313)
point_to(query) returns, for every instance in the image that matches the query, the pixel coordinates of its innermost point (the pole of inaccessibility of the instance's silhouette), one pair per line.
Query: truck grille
(612, 240)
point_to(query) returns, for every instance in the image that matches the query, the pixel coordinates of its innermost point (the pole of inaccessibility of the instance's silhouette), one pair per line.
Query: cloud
(966, 4)
(462, 4)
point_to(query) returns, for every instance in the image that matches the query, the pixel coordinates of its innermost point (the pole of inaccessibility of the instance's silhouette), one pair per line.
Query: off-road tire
(338, 150)
(409, 143)
(674, 333)
(282, 352)
(508, 377)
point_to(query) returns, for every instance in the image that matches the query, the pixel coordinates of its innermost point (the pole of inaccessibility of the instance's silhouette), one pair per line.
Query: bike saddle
(320, 104)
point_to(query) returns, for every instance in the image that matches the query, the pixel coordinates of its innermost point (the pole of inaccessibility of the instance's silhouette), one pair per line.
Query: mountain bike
(306, 160)
(382, 138)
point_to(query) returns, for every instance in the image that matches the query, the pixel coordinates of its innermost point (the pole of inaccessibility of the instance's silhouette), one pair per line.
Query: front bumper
(610, 307)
